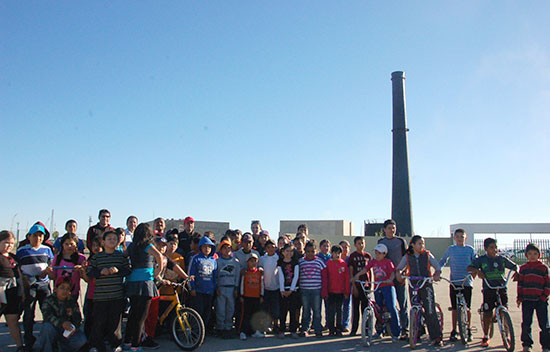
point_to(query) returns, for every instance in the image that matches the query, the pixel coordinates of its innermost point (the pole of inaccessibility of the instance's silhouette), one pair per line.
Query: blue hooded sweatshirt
(205, 269)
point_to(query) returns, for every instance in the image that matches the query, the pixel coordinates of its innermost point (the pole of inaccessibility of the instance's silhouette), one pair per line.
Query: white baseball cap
(381, 248)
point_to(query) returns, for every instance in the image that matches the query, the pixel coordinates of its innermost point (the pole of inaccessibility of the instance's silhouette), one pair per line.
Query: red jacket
(338, 278)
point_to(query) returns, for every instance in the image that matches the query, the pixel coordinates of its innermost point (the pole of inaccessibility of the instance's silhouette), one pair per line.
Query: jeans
(30, 307)
(527, 310)
(311, 301)
(346, 310)
(386, 296)
(50, 334)
(403, 305)
(334, 308)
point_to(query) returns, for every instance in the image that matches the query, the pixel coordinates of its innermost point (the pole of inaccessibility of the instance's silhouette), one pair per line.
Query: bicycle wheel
(507, 330)
(414, 325)
(187, 329)
(367, 326)
(462, 315)
(439, 312)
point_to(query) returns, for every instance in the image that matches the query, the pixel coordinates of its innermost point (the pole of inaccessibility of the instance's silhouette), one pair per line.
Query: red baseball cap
(188, 219)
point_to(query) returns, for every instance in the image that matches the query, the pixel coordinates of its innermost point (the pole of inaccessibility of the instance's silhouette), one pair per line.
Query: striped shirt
(311, 274)
(534, 282)
(34, 260)
(459, 257)
(108, 287)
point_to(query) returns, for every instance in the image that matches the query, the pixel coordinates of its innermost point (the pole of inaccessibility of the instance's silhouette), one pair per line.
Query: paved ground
(348, 343)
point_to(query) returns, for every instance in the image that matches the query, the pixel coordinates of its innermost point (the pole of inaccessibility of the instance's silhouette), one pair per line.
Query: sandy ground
(345, 343)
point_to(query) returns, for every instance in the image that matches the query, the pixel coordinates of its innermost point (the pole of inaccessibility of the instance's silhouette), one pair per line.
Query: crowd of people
(244, 285)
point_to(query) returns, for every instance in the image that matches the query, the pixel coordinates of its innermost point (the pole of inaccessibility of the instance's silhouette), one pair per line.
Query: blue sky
(234, 111)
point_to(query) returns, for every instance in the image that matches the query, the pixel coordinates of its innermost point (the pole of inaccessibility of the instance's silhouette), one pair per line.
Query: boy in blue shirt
(205, 270)
(459, 256)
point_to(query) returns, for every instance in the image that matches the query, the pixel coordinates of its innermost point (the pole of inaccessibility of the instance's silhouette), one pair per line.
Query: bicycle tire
(507, 330)
(367, 326)
(462, 315)
(414, 324)
(191, 337)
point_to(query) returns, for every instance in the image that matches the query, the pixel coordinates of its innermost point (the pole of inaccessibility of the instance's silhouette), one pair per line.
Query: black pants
(290, 305)
(139, 308)
(335, 301)
(248, 308)
(202, 303)
(39, 294)
(88, 310)
(527, 310)
(272, 300)
(356, 302)
(107, 319)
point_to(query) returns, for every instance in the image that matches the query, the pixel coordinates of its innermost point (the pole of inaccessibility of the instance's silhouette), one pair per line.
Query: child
(338, 287)
(89, 300)
(252, 291)
(140, 285)
(491, 266)
(313, 276)
(172, 244)
(299, 245)
(70, 227)
(533, 292)
(271, 285)
(69, 257)
(356, 262)
(384, 272)
(35, 260)
(418, 261)
(61, 315)
(324, 248)
(204, 269)
(109, 269)
(459, 257)
(289, 272)
(346, 307)
(281, 241)
(228, 285)
(194, 245)
(11, 287)
(246, 251)
(262, 240)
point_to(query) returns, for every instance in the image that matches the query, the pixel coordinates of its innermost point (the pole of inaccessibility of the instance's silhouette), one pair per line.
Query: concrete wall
(436, 245)
(318, 227)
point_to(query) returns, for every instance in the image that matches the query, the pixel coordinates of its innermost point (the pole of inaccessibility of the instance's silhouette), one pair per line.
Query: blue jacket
(205, 270)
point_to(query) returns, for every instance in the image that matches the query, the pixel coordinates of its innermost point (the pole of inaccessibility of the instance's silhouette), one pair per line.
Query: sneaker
(394, 339)
(150, 344)
(258, 334)
(301, 334)
(438, 342)
(377, 335)
(485, 342)
(404, 336)
(294, 335)
(469, 339)
(280, 335)
(453, 337)
(116, 349)
(242, 336)
(345, 330)
(338, 333)
(319, 334)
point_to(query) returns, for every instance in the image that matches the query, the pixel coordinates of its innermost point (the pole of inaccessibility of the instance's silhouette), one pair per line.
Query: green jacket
(57, 312)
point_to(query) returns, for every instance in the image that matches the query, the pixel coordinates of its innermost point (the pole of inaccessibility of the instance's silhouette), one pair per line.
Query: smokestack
(401, 207)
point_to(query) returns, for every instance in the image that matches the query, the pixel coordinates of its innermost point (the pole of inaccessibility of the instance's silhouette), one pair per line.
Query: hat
(253, 255)
(264, 232)
(247, 238)
(381, 248)
(171, 236)
(224, 243)
(188, 219)
(37, 228)
(160, 239)
(63, 279)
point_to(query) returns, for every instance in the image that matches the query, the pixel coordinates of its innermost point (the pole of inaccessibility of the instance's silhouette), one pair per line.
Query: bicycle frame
(175, 303)
(372, 305)
(415, 301)
(459, 290)
(497, 289)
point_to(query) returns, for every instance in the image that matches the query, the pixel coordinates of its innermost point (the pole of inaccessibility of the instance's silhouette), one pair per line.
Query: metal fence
(517, 252)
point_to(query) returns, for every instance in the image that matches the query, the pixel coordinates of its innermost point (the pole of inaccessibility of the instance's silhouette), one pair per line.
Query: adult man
(184, 237)
(159, 225)
(131, 224)
(397, 247)
(98, 229)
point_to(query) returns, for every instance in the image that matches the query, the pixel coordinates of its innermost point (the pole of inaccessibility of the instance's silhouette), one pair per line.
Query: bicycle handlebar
(363, 283)
(453, 281)
(499, 287)
(424, 280)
